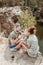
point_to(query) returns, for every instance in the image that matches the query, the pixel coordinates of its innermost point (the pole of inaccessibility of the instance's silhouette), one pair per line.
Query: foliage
(13, 2)
(34, 3)
(19, 2)
(27, 20)
(1, 4)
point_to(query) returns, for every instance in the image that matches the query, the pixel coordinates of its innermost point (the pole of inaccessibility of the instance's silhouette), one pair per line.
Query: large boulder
(20, 58)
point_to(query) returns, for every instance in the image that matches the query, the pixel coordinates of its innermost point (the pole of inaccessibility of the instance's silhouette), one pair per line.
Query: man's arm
(14, 41)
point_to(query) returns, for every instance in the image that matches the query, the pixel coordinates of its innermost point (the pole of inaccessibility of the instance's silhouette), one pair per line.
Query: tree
(33, 3)
(11, 2)
(1, 4)
(18, 2)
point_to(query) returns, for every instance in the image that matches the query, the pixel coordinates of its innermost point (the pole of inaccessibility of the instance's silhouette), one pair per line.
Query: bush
(27, 20)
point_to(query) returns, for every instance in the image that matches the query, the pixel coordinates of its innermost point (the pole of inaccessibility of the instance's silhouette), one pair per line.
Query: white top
(33, 41)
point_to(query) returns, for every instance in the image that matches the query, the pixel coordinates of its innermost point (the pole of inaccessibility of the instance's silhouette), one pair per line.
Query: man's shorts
(13, 45)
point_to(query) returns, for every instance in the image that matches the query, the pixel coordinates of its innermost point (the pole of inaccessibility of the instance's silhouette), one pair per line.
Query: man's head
(15, 19)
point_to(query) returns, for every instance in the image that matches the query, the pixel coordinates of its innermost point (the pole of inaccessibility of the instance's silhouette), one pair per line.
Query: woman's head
(32, 30)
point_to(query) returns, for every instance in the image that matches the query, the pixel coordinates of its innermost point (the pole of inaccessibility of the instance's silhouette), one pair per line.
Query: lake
(40, 36)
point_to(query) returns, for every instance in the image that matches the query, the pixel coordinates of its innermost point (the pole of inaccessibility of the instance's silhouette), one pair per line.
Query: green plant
(26, 20)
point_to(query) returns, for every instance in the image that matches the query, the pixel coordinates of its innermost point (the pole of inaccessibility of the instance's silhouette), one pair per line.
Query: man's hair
(15, 19)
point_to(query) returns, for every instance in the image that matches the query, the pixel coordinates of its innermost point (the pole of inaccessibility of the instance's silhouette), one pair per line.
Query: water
(40, 37)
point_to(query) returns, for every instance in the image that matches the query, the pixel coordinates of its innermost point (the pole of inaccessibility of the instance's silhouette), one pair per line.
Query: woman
(31, 47)
(33, 41)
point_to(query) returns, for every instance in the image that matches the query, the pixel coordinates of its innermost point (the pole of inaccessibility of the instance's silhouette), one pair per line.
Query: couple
(27, 41)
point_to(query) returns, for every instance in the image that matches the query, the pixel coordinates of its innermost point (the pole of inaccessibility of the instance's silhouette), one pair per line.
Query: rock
(20, 58)
(41, 64)
(39, 60)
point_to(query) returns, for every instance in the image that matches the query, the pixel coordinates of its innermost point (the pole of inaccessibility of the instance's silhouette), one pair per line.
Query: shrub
(27, 20)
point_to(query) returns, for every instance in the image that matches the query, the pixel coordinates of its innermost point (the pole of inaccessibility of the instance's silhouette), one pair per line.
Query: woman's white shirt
(34, 47)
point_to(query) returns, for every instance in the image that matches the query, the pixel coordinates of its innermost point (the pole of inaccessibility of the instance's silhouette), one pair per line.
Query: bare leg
(21, 45)
(18, 46)
(24, 47)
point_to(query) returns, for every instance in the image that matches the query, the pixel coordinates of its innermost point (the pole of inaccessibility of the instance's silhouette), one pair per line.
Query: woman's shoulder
(33, 38)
